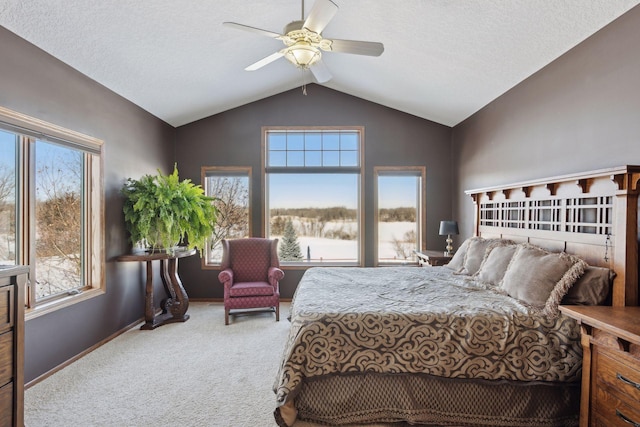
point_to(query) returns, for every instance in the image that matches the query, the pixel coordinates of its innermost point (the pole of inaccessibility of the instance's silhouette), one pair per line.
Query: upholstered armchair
(250, 274)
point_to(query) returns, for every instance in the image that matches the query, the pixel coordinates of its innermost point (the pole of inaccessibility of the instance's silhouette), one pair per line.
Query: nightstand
(610, 364)
(432, 258)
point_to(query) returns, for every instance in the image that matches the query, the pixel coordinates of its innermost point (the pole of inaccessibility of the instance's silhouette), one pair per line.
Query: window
(58, 263)
(230, 186)
(312, 194)
(8, 201)
(400, 213)
(51, 209)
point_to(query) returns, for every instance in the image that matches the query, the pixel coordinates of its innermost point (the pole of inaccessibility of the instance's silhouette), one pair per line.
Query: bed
(479, 342)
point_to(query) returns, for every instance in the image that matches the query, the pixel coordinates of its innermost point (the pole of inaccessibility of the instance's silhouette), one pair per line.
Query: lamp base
(449, 251)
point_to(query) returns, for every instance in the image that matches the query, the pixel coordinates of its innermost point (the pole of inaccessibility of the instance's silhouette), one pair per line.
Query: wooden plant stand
(175, 306)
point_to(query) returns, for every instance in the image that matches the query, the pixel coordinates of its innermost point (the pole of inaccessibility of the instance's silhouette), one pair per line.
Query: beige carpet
(197, 373)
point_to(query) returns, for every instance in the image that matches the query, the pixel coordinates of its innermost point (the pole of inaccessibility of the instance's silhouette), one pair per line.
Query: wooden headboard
(593, 215)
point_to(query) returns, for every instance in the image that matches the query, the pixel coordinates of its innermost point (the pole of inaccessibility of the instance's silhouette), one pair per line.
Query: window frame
(359, 170)
(206, 171)
(418, 172)
(29, 129)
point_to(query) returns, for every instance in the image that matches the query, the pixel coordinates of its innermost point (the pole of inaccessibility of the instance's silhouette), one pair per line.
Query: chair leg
(226, 316)
(278, 312)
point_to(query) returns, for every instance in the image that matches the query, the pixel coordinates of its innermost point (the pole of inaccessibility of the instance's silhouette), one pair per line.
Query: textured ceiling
(443, 59)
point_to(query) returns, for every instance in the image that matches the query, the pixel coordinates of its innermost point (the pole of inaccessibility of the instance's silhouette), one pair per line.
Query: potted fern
(162, 212)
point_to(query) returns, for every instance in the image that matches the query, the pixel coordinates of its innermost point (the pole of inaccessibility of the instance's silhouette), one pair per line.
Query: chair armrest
(226, 277)
(275, 275)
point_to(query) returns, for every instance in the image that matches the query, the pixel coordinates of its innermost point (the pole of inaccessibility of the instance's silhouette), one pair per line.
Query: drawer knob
(626, 419)
(627, 381)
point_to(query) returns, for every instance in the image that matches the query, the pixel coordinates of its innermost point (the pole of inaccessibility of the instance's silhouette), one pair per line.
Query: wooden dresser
(12, 288)
(611, 364)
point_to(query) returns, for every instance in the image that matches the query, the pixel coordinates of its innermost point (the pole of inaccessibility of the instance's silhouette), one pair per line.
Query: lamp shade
(302, 55)
(448, 227)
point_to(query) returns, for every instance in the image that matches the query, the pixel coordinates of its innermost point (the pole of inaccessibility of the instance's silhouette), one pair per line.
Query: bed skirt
(431, 400)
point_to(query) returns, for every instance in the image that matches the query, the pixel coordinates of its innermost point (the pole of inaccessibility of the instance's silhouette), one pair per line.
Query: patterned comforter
(419, 320)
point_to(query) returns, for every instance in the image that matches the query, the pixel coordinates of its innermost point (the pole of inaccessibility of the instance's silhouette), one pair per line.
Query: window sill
(398, 264)
(297, 266)
(49, 307)
(306, 265)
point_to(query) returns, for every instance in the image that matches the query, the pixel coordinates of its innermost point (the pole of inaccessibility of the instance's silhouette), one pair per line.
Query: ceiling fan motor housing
(293, 26)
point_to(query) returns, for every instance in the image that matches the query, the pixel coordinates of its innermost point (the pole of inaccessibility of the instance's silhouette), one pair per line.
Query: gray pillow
(476, 252)
(540, 278)
(495, 264)
(457, 262)
(592, 288)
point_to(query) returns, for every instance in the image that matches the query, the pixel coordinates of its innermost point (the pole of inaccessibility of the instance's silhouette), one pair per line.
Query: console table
(175, 306)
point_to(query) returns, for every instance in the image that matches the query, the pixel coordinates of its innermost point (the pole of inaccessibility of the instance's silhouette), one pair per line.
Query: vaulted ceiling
(443, 59)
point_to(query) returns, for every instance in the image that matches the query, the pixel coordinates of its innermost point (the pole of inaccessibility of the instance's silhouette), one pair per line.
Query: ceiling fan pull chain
(304, 85)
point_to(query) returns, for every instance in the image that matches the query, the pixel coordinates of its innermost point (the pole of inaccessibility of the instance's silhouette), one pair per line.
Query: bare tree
(404, 247)
(59, 228)
(277, 225)
(59, 222)
(7, 213)
(232, 201)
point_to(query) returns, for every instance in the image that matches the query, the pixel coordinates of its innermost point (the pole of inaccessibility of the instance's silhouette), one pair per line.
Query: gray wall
(580, 113)
(392, 138)
(135, 143)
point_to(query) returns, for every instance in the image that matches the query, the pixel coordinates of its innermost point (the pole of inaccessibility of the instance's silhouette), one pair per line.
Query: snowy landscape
(322, 249)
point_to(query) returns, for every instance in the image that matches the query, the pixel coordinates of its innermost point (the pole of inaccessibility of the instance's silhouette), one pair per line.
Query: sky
(313, 190)
(397, 191)
(7, 148)
(329, 190)
(64, 163)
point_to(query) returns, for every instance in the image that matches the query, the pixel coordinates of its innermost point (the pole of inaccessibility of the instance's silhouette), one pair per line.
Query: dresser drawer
(611, 410)
(6, 308)
(620, 377)
(6, 357)
(6, 405)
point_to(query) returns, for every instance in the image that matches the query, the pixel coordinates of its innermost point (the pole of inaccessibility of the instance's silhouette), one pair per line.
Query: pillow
(457, 261)
(592, 288)
(476, 252)
(495, 264)
(540, 278)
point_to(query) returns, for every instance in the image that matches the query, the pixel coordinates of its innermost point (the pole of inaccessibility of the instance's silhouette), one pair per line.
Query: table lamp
(447, 228)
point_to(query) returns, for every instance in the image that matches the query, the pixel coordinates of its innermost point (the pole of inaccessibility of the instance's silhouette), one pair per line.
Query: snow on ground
(328, 249)
(322, 249)
(55, 275)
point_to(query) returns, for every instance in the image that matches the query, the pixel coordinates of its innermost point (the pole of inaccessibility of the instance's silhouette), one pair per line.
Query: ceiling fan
(304, 42)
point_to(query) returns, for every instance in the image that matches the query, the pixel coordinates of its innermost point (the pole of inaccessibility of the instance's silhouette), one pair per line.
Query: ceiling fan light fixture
(302, 54)
(304, 42)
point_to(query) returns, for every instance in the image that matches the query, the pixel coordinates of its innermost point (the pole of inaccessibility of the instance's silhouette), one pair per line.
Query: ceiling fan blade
(321, 72)
(357, 47)
(321, 13)
(264, 61)
(251, 29)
